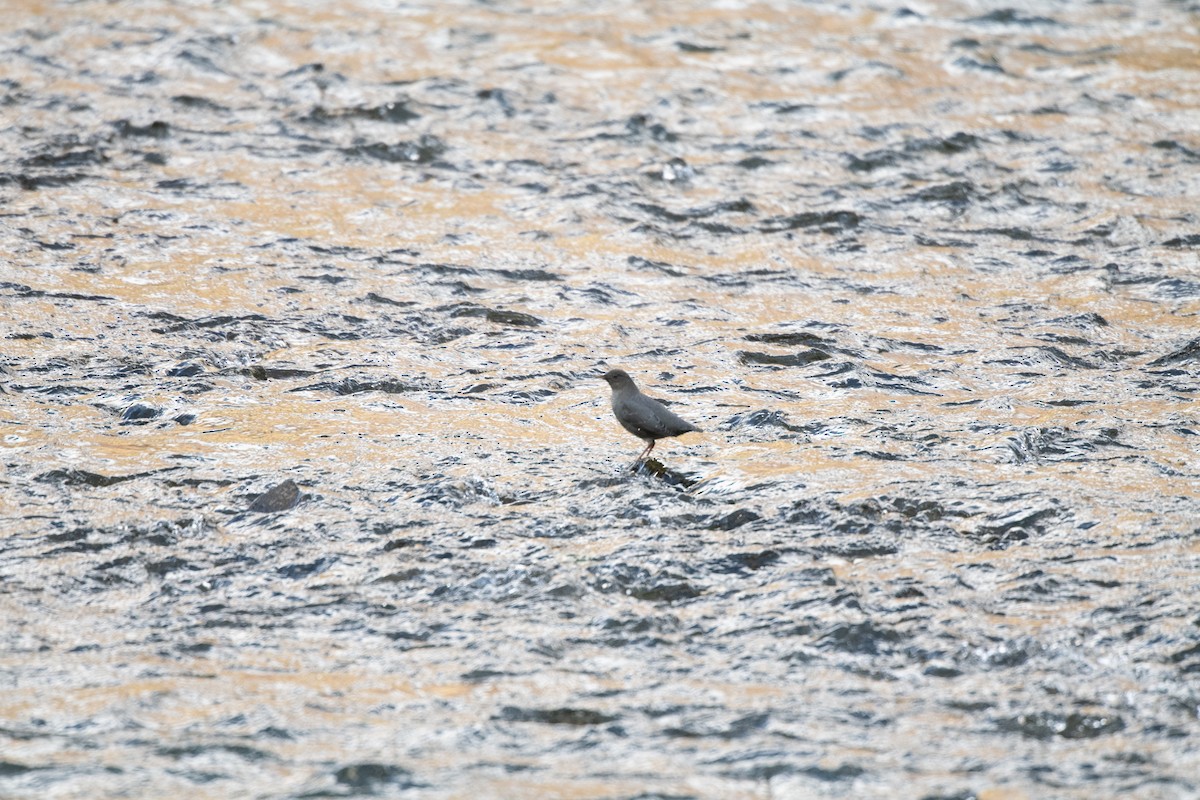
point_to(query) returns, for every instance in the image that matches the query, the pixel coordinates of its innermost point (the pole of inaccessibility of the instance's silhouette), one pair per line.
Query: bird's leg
(642, 456)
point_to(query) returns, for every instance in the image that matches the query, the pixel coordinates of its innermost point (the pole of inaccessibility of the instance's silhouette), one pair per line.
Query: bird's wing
(652, 416)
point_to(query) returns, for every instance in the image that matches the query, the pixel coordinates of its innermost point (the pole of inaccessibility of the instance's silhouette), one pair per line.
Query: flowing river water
(311, 487)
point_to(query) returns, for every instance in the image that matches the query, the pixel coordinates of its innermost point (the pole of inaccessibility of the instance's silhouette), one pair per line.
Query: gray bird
(644, 417)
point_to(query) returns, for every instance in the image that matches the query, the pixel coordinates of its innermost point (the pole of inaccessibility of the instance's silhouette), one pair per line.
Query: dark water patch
(428, 149)
(497, 316)
(556, 716)
(637, 262)
(352, 386)
(60, 390)
(987, 64)
(1006, 528)
(1043, 356)
(262, 372)
(340, 328)
(1065, 403)
(956, 193)
(1006, 654)
(689, 47)
(1188, 659)
(889, 345)
(369, 778)
(740, 206)
(751, 163)
(879, 455)
(332, 280)
(1088, 321)
(81, 477)
(635, 630)
(784, 108)
(1091, 54)
(452, 492)
(1012, 16)
(196, 103)
(663, 585)
(1037, 586)
(387, 301)
(1172, 145)
(928, 241)
(483, 674)
(1187, 354)
(826, 221)
(1176, 288)
(34, 182)
(959, 142)
(748, 278)
(761, 419)
(523, 397)
(642, 126)
(502, 99)
(1047, 725)
(114, 572)
(140, 414)
(852, 376)
(718, 522)
(805, 512)
(397, 112)
(712, 726)
(479, 388)
(55, 246)
(1061, 444)
(178, 324)
(87, 156)
(417, 636)
(10, 769)
(921, 510)
(535, 275)
(745, 563)
(153, 130)
(82, 546)
(873, 68)
(242, 751)
(765, 766)
(185, 186)
(403, 576)
(185, 369)
(20, 290)
(1018, 234)
(307, 569)
(877, 159)
(789, 339)
(857, 540)
(800, 359)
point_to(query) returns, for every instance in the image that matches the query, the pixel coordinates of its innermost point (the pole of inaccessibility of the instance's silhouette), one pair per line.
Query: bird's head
(619, 379)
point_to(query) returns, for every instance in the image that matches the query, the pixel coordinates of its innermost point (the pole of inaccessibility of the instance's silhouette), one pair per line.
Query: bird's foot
(650, 466)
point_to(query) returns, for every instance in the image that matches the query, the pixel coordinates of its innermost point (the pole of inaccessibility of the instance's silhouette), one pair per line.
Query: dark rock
(280, 497)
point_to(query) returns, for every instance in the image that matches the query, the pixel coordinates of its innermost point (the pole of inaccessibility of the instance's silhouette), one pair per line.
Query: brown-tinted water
(311, 486)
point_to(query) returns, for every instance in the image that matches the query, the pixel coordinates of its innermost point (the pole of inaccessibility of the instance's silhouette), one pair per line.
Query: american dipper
(644, 417)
